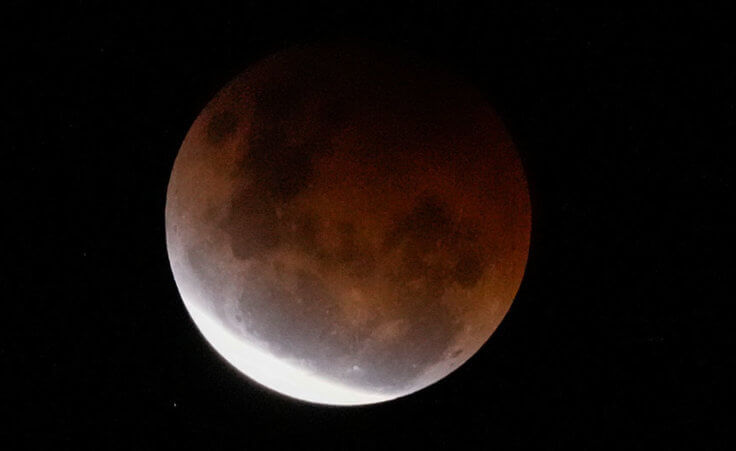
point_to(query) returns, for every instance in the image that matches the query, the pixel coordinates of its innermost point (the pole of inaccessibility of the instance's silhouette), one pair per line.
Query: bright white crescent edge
(276, 374)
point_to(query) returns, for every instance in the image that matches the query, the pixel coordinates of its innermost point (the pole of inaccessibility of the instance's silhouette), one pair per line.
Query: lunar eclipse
(346, 226)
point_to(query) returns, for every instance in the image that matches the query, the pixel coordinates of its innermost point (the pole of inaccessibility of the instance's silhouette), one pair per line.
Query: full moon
(346, 226)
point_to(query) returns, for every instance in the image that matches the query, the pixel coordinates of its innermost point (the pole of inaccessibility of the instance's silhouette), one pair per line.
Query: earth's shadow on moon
(308, 273)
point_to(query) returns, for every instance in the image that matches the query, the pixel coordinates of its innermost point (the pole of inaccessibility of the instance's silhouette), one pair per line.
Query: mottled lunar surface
(346, 227)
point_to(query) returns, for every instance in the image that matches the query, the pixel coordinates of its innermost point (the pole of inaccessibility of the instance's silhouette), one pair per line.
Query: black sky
(624, 119)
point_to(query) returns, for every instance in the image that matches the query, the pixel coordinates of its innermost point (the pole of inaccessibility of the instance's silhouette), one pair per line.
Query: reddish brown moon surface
(347, 227)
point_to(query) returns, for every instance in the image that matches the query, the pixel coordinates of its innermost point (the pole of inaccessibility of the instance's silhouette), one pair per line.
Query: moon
(347, 226)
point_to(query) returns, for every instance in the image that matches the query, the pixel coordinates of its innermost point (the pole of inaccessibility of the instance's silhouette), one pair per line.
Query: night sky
(624, 121)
